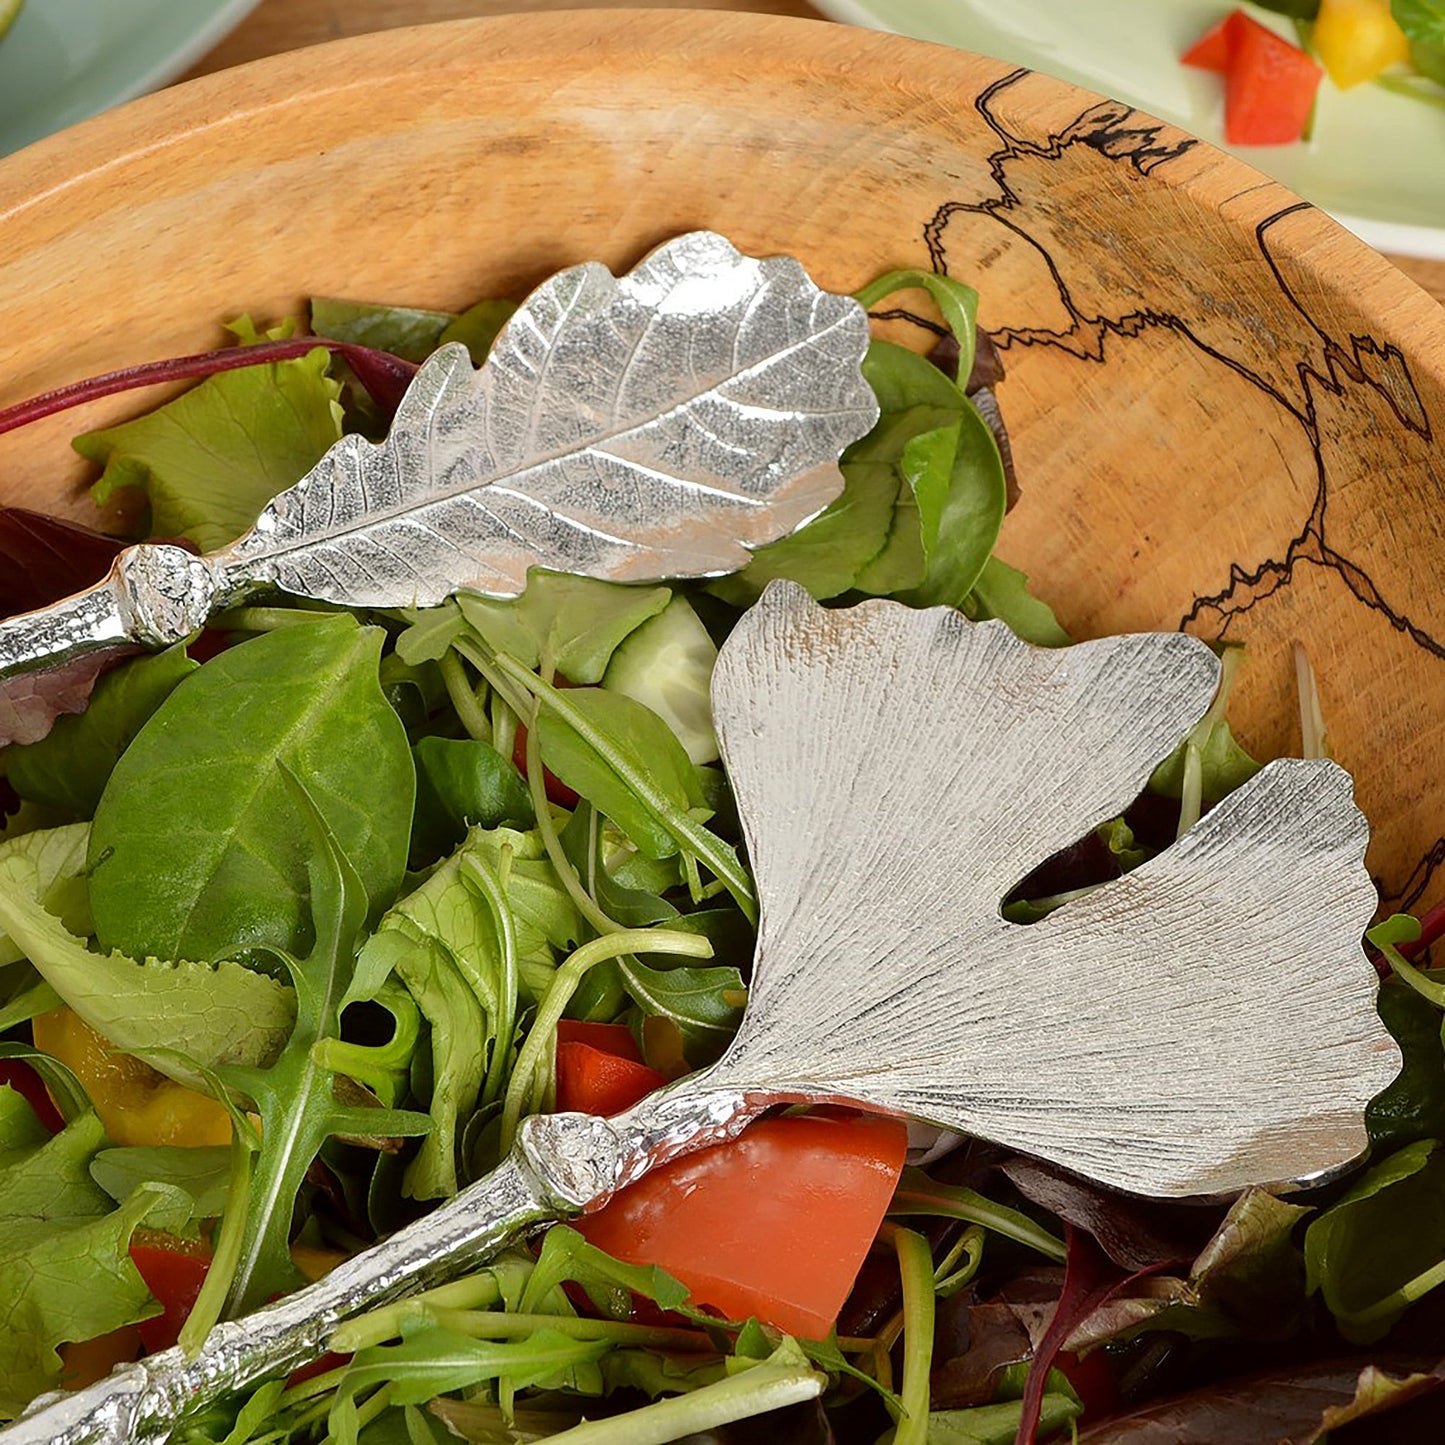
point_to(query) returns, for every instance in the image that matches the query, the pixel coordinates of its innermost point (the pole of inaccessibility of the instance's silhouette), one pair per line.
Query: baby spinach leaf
(958, 479)
(706, 1004)
(215, 1013)
(212, 458)
(827, 555)
(1003, 592)
(196, 852)
(644, 742)
(1413, 1107)
(409, 332)
(571, 624)
(1382, 1246)
(477, 327)
(68, 769)
(582, 841)
(296, 1096)
(462, 783)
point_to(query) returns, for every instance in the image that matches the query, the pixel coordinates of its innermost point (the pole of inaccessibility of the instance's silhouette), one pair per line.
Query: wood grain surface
(279, 25)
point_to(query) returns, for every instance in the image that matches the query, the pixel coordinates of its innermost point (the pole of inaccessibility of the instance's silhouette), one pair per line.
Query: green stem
(499, 1325)
(1191, 789)
(525, 708)
(752, 1392)
(918, 1194)
(686, 831)
(1386, 1309)
(475, 1292)
(915, 1267)
(226, 1252)
(536, 1052)
(478, 875)
(473, 716)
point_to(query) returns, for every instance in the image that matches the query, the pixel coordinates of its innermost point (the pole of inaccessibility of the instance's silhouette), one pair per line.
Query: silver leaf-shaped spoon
(1202, 1024)
(658, 425)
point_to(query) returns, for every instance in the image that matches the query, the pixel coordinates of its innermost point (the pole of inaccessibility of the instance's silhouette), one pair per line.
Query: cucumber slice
(666, 665)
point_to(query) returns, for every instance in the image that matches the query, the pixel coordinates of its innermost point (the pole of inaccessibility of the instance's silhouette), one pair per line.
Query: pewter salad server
(661, 424)
(1203, 1023)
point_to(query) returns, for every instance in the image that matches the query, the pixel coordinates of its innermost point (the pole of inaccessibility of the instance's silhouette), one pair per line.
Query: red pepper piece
(27, 1083)
(1211, 50)
(610, 1038)
(174, 1274)
(592, 1081)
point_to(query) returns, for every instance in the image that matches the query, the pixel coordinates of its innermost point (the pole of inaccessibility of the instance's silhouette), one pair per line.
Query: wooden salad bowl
(1224, 408)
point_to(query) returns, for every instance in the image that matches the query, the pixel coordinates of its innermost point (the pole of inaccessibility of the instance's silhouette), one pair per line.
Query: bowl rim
(857, 57)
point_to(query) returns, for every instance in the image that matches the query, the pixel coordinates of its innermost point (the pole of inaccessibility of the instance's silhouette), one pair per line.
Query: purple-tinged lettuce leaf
(43, 559)
(30, 702)
(1299, 1406)
(68, 769)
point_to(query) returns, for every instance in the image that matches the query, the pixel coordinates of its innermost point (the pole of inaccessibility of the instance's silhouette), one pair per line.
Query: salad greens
(346, 874)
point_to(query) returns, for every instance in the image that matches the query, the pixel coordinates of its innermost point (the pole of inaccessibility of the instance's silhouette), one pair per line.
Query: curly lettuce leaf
(210, 460)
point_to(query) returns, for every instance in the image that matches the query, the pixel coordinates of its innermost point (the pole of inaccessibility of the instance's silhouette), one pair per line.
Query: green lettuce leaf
(65, 1273)
(216, 1013)
(212, 458)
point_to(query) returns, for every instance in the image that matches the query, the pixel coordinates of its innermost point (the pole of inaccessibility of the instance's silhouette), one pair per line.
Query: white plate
(64, 60)
(1376, 161)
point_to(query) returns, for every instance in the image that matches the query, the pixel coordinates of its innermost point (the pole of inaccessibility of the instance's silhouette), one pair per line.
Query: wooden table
(277, 25)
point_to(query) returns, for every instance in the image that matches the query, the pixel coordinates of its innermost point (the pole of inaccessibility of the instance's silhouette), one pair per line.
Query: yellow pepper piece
(136, 1104)
(1357, 39)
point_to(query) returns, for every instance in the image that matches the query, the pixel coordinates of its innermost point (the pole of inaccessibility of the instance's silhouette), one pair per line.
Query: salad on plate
(300, 918)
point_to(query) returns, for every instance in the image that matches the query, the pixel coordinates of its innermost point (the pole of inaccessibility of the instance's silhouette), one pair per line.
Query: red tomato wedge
(1211, 50)
(174, 1273)
(1269, 88)
(1269, 84)
(775, 1224)
(600, 1069)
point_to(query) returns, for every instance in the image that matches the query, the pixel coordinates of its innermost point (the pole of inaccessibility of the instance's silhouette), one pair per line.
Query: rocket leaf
(296, 1096)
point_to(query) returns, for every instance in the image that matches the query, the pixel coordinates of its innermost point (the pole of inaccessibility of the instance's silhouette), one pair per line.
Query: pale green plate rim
(1126, 49)
(145, 46)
